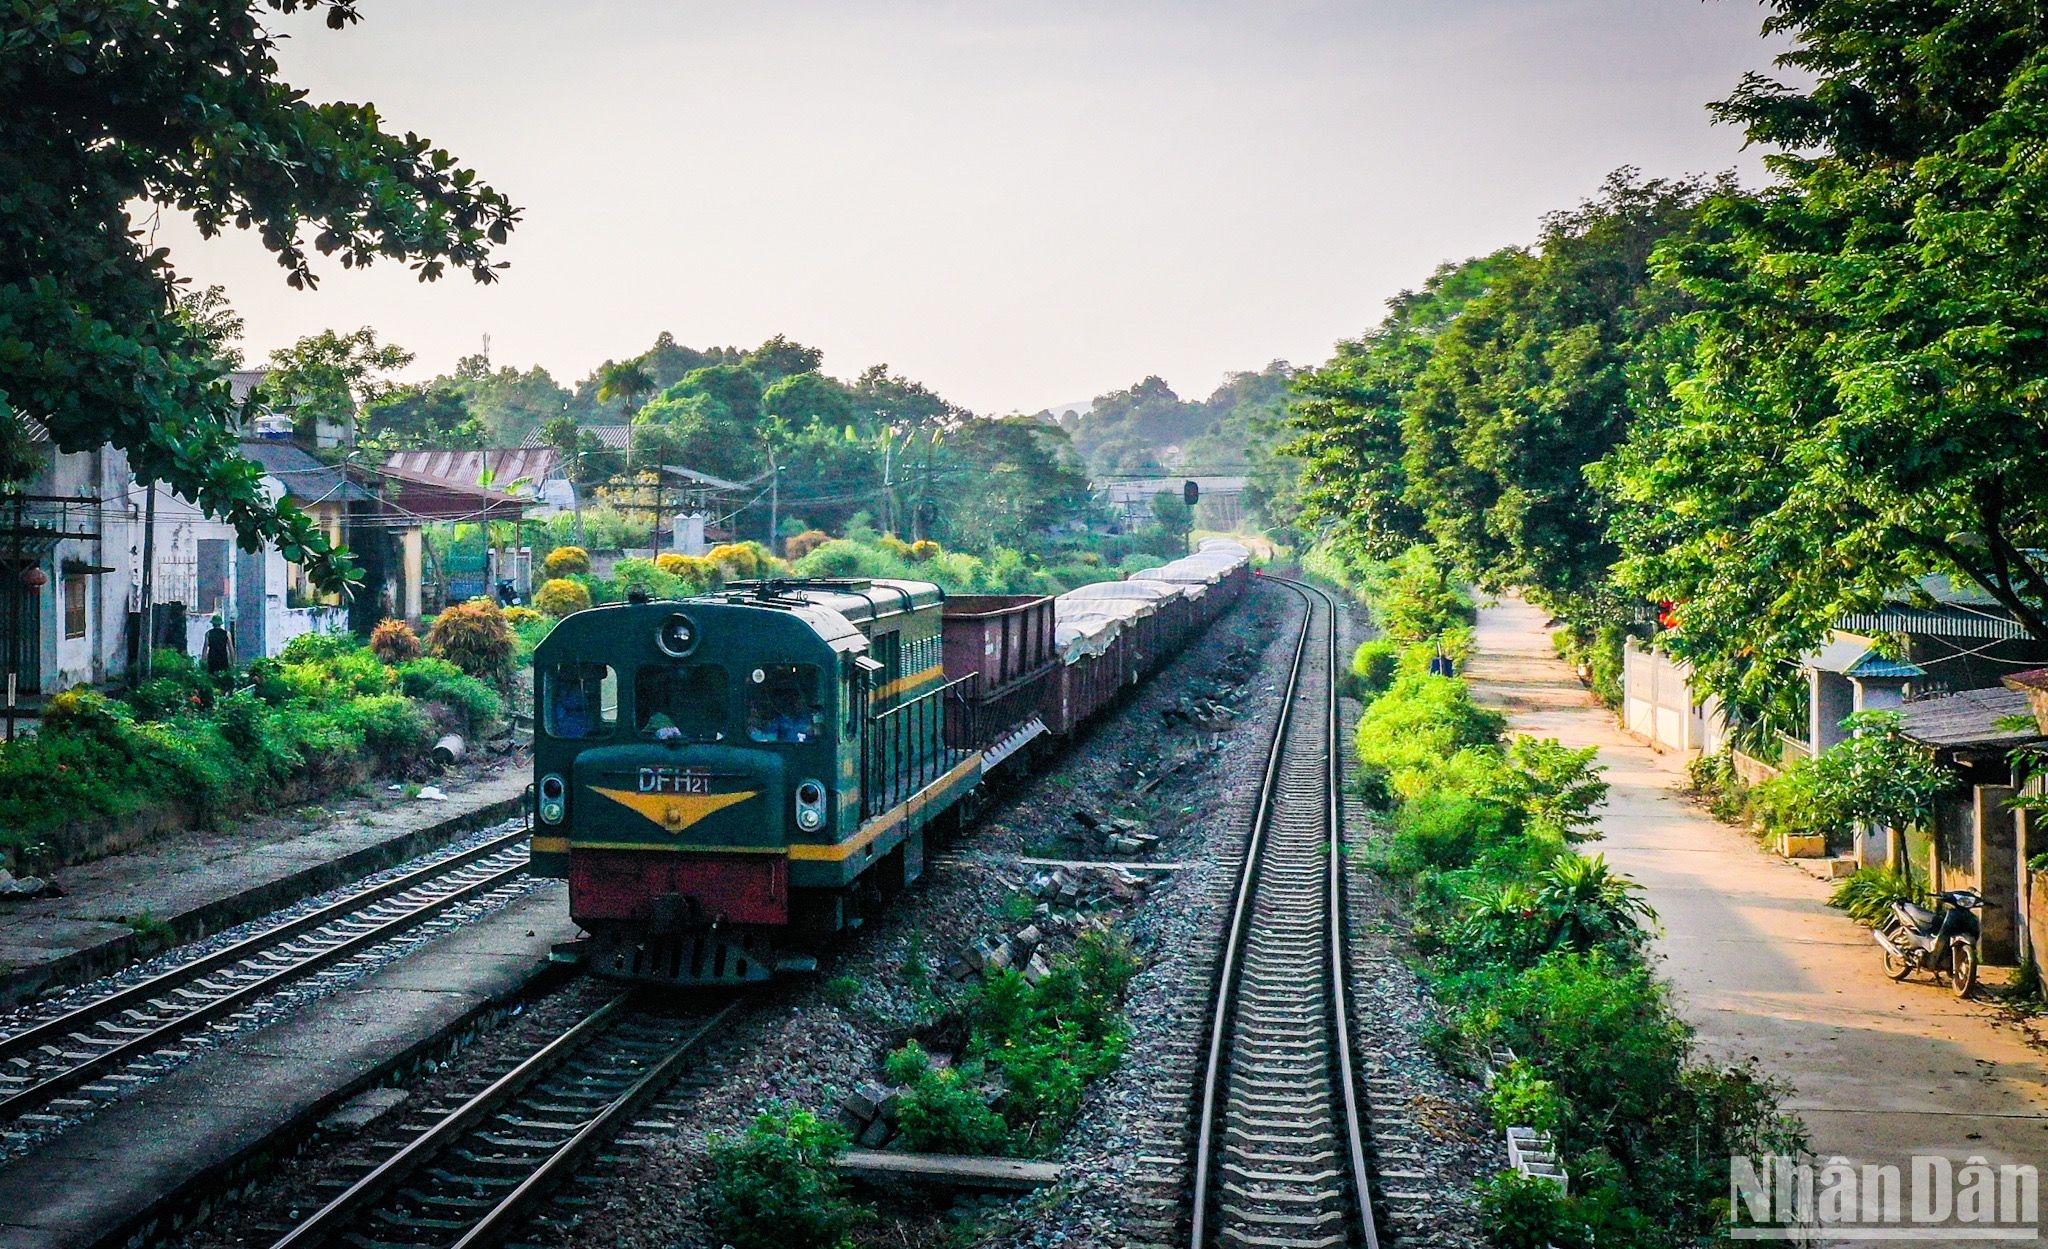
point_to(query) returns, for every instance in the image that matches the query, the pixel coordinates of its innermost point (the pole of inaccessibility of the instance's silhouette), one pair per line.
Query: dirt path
(1760, 964)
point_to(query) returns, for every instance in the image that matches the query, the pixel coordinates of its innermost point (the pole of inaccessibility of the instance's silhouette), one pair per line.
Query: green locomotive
(712, 772)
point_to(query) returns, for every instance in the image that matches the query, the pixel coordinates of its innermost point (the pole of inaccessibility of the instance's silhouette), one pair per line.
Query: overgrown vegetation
(1532, 946)
(775, 1187)
(326, 711)
(1875, 776)
(1030, 1053)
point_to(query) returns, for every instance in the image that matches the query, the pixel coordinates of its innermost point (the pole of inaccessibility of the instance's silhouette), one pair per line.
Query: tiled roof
(1969, 718)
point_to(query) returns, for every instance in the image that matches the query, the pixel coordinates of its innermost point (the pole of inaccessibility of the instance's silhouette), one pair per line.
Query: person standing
(220, 649)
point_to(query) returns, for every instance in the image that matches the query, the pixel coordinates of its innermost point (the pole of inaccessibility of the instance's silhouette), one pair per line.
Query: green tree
(435, 415)
(780, 357)
(626, 382)
(806, 399)
(1533, 382)
(212, 318)
(1002, 483)
(177, 104)
(508, 402)
(1348, 415)
(326, 378)
(1857, 400)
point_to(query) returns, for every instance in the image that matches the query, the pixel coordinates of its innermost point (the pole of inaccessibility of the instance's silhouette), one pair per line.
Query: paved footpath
(1764, 968)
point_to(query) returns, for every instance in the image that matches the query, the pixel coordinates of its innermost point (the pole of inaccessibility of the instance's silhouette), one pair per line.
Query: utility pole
(888, 480)
(774, 499)
(144, 653)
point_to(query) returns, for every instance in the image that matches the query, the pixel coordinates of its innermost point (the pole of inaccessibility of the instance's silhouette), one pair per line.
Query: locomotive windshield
(782, 704)
(581, 701)
(690, 698)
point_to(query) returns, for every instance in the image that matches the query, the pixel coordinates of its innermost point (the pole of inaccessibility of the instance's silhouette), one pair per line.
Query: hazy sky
(1017, 203)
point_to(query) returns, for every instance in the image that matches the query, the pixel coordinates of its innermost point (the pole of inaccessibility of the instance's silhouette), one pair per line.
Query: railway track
(1280, 1159)
(476, 1175)
(63, 1065)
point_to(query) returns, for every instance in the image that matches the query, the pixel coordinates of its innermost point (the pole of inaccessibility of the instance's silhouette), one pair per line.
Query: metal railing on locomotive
(904, 749)
(974, 719)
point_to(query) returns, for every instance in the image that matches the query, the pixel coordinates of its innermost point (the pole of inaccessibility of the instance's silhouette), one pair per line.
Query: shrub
(1419, 601)
(1712, 778)
(947, 1109)
(163, 697)
(519, 617)
(739, 561)
(646, 576)
(394, 642)
(695, 573)
(804, 543)
(561, 597)
(1588, 906)
(566, 561)
(87, 715)
(1528, 1212)
(1520, 1096)
(315, 647)
(1374, 665)
(1603, 1034)
(776, 1186)
(1557, 786)
(1049, 1040)
(437, 680)
(1418, 724)
(388, 724)
(1869, 892)
(843, 557)
(924, 549)
(1445, 831)
(475, 638)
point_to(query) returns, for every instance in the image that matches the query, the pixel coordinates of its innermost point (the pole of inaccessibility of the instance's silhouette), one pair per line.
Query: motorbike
(1943, 940)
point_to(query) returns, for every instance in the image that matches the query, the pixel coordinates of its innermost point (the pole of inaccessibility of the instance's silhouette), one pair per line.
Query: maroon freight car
(1003, 645)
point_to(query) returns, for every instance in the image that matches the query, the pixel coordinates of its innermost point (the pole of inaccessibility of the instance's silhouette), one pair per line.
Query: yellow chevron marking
(674, 812)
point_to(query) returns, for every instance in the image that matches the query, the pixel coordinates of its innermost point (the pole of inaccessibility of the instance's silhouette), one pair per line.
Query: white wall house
(72, 558)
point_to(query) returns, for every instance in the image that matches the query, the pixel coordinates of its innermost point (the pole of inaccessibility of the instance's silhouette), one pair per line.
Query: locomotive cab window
(690, 698)
(580, 701)
(783, 704)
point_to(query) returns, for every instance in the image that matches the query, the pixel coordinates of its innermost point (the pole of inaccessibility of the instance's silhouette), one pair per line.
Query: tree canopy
(1857, 397)
(177, 105)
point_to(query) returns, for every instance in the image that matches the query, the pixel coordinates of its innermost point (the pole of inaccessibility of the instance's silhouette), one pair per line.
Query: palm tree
(629, 382)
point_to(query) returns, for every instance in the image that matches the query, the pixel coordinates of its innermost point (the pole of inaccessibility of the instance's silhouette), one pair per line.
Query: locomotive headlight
(677, 636)
(553, 799)
(810, 806)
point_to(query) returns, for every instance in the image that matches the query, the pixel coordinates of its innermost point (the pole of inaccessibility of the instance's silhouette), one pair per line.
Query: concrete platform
(202, 882)
(194, 1132)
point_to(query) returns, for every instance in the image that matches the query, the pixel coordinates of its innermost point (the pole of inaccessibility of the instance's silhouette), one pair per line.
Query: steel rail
(71, 1027)
(1340, 997)
(1348, 1107)
(505, 1218)
(331, 1222)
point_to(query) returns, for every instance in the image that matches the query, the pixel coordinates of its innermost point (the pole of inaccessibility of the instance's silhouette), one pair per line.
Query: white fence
(1657, 704)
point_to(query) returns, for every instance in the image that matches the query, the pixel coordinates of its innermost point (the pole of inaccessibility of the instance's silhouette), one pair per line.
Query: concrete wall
(1658, 705)
(187, 569)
